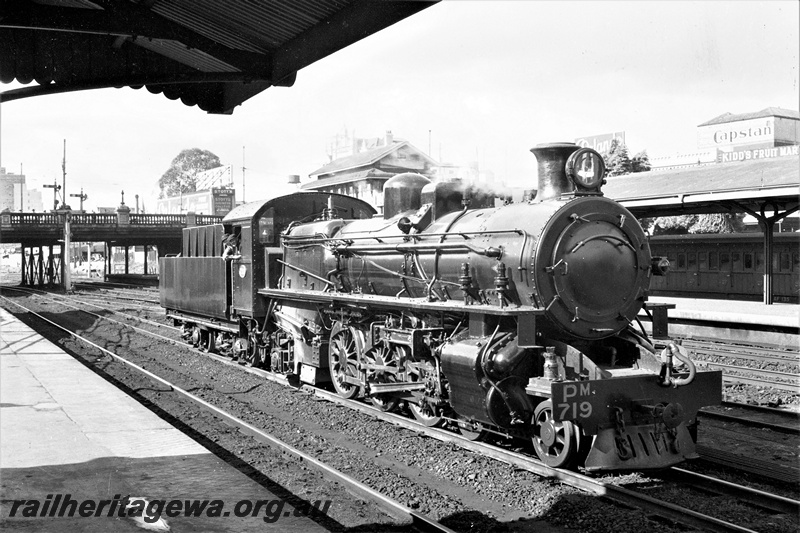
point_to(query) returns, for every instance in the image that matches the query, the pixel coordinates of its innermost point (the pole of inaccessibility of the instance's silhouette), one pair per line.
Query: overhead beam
(345, 27)
(123, 19)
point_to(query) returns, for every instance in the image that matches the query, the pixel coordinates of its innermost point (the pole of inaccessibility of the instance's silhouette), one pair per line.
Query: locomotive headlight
(586, 169)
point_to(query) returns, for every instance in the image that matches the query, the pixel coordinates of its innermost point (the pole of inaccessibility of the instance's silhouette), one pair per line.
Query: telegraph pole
(243, 169)
(64, 178)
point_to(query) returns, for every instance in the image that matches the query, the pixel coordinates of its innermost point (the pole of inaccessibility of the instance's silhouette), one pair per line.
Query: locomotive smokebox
(402, 193)
(552, 160)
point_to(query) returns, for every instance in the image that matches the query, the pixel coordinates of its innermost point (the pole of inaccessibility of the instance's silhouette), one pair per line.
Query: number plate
(594, 404)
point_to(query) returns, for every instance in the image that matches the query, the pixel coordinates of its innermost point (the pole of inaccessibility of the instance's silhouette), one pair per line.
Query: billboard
(217, 201)
(601, 143)
(737, 134)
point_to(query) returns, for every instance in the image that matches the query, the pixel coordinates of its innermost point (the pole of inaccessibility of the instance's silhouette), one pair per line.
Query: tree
(617, 160)
(694, 224)
(640, 162)
(181, 177)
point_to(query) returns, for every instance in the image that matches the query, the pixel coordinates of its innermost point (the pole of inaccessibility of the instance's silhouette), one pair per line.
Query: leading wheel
(556, 443)
(424, 414)
(343, 354)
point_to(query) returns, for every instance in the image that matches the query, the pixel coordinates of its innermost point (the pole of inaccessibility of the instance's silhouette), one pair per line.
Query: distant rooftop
(764, 113)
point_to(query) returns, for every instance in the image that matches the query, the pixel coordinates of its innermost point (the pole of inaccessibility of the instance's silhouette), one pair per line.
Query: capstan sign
(736, 134)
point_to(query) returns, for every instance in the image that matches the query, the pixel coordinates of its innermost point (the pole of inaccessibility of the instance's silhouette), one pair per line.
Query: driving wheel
(382, 356)
(344, 348)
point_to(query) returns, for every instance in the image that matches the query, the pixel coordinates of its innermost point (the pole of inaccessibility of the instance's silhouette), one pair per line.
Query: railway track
(405, 515)
(779, 420)
(749, 352)
(785, 381)
(668, 511)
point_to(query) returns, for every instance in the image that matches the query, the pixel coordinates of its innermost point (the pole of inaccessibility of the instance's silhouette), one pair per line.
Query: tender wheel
(251, 356)
(210, 342)
(382, 355)
(197, 337)
(470, 429)
(556, 443)
(343, 354)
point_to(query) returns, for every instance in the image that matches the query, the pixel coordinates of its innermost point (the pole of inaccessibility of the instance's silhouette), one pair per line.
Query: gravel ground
(464, 490)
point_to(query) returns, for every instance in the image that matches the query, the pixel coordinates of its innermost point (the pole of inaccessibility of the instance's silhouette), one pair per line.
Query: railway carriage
(728, 266)
(510, 319)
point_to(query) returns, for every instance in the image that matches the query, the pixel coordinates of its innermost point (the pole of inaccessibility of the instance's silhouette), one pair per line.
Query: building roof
(764, 113)
(211, 53)
(709, 189)
(365, 158)
(348, 177)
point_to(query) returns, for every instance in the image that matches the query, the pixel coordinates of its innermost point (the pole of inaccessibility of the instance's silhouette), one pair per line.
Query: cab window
(266, 227)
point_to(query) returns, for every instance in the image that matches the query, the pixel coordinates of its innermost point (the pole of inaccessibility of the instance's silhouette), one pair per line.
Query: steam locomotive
(483, 315)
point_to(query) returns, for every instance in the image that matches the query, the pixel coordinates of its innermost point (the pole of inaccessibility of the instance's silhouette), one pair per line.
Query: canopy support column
(767, 225)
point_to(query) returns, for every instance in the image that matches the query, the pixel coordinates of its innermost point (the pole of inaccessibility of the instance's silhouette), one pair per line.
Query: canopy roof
(710, 189)
(211, 53)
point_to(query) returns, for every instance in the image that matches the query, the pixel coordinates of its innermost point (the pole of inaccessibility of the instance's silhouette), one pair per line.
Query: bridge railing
(93, 218)
(33, 218)
(111, 219)
(158, 220)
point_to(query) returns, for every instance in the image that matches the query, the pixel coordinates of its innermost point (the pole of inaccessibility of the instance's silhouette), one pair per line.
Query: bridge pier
(38, 271)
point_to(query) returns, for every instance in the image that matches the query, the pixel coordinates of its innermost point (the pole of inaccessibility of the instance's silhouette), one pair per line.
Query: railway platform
(734, 320)
(78, 454)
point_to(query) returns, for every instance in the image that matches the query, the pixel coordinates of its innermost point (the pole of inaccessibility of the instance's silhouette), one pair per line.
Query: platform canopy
(211, 53)
(766, 189)
(745, 186)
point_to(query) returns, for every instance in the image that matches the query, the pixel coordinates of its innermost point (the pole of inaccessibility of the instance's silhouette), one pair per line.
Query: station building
(360, 167)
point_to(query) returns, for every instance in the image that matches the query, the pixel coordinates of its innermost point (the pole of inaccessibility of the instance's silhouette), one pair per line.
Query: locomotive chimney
(552, 160)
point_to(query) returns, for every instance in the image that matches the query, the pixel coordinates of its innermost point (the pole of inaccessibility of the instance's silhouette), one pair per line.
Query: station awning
(736, 186)
(211, 53)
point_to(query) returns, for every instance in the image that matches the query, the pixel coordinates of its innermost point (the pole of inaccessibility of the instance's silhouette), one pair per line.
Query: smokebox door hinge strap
(575, 217)
(554, 300)
(552, 269)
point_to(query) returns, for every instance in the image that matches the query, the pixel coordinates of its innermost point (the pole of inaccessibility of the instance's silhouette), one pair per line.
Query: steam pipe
(667, 380)
(421, 247)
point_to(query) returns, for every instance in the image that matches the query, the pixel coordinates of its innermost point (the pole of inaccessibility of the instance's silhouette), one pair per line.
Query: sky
(473, 80)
